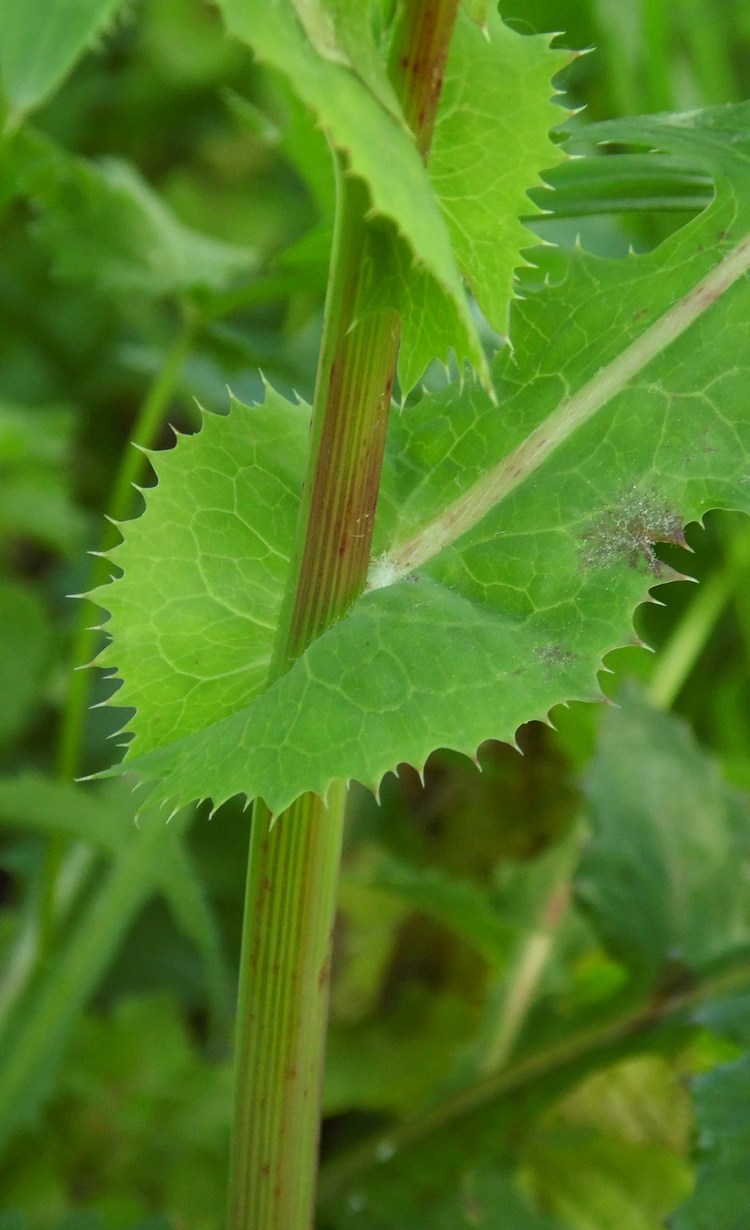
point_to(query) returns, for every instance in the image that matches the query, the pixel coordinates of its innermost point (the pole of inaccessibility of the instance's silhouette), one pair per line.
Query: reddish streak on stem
(356, 372)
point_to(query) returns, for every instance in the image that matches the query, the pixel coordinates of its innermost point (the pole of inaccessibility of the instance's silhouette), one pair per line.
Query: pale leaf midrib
(570, 414)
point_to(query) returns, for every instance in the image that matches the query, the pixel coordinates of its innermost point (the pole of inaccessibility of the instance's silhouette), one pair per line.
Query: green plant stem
(294, 861)
(352, 401)
(587, 1048)
(283, 1003)
(527, 966)
(678, 656)
(681, 652)
(133, 463)
(35, 1035)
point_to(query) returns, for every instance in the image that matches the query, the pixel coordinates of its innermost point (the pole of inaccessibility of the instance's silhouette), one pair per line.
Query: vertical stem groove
(293, 863)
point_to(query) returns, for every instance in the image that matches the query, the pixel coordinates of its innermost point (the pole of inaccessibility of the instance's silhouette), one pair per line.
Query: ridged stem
(283, 1006)
(294, 861)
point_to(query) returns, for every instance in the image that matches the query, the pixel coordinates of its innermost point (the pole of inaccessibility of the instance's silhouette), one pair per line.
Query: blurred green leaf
(40, 41)
(458, 904)
(590, 1182)
(664, 875)
(34, 803)
(393, 1062)
(12, 1221)
(163, 1144)
(614, 1151)
(438, 1190)
(36, 501)
(102, 223)
(82, 1220)
(722, 1195)
(728, 1017)
(38, 1028)
(623, 183)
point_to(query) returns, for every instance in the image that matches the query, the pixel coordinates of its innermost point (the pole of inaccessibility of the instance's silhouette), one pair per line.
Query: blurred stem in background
(60, 877)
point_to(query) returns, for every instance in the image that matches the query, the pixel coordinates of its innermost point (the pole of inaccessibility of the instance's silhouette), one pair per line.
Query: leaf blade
(41, 41)
(624, 400)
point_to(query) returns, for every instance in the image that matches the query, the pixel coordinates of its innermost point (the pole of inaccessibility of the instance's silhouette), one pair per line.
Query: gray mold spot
(626, 532)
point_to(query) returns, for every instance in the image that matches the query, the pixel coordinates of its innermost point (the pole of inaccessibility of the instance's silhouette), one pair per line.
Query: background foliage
(534, 961)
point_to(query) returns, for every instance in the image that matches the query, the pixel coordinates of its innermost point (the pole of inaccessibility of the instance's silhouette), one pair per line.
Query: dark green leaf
(664, 875)
(102, 223)
(722, 1195)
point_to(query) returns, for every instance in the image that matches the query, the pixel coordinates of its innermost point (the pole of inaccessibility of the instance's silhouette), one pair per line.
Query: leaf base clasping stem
(294, 859)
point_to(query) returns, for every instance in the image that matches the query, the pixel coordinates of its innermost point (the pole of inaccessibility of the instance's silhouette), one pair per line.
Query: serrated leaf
(195, 630)
(40, 41)
(513, 545)
(102, 223)
(378, 147)
(664, 875)
(722, 1195)
(492, 132)
(490, 145)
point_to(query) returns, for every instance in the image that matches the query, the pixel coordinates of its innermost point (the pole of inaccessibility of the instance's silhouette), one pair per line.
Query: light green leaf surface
(590, 1182)
(462, 217)
(102, 223)
(349, 34)
(664, 876)
(377, 146)
(623, 415)
(202, 643)
(722, 1195)
(40, 41)
(492, 129)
